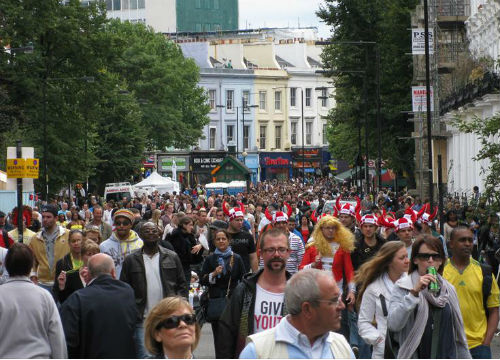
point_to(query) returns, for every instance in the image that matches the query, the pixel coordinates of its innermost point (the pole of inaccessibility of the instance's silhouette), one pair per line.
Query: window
(229, 133)
(197, 4)
(324, 97)
(216, 4)
(293, 133)
(217, 27)
(197, 27)
(277, 100)
(207, 27)
(262, 100)
(133, 4)
(262, 137)
(325, 129)
(309, 126)
(277, 136)
(211, 98)
(246, 139)
(229, 100)
(213, 132)
(109, 5)
(141, 4)
(206, 5)
(116, 4)
(246, 98)
(125, 4)
(293, 97)
(308, 97)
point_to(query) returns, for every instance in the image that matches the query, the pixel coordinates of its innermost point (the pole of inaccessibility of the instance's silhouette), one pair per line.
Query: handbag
(217, 305)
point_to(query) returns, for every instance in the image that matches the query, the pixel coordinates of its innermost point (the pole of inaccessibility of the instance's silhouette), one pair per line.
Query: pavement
(205, 349)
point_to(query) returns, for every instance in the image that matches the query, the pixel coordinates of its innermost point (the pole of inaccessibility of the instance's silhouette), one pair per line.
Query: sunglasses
(427, 256)
(122, 223)
(174, 321)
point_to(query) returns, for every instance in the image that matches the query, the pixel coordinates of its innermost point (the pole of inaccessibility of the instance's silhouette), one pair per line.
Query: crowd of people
(285, 270)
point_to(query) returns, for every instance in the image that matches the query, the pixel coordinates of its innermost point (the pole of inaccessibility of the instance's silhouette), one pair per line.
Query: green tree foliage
(174, 108)
(487, 131)
(385, 22)
(95, 92)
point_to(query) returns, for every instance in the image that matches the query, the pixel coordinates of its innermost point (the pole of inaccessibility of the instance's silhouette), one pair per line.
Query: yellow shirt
(469, 287)
(27, 235)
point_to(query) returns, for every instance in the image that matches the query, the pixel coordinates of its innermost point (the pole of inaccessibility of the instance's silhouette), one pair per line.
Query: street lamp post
(243, 120)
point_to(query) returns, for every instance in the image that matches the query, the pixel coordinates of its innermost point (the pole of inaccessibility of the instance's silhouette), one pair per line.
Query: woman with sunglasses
(170, 329)
(424, 312)
(72, 261)
(221, 272)
(376, 279)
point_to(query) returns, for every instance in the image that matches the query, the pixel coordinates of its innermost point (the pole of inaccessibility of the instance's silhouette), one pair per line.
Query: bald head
(101, 264)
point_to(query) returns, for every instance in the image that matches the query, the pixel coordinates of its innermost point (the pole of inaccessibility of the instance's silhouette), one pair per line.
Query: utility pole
(428, 95)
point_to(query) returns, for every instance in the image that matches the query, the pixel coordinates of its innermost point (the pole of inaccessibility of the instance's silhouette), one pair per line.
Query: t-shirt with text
(268, 309)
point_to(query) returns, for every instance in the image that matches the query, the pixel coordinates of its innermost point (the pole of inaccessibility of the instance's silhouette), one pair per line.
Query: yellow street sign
(31, 168)
(15, 168)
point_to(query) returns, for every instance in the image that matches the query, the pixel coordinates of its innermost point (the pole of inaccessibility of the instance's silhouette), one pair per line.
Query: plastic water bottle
(221, 263)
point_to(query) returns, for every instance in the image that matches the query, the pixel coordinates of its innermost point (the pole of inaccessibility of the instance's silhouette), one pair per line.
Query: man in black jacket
(99, 320)
(154, 273)
(257, 303)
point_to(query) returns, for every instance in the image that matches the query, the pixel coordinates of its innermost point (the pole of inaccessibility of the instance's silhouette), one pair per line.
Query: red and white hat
(368, 219)
(347, 208)
(425, 217)
(403, 223)
(279, 216)
(234, 212)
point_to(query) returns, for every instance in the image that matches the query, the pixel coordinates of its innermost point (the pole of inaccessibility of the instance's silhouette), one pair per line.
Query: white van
(117, 191)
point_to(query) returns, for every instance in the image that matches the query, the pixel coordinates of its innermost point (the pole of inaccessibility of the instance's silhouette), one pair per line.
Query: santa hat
(402, 223)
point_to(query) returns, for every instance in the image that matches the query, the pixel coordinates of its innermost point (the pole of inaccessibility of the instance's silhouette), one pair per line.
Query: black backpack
(487, 283)
(5, 237)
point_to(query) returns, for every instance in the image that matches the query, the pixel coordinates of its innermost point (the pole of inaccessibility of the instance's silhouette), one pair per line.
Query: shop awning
(349, 174)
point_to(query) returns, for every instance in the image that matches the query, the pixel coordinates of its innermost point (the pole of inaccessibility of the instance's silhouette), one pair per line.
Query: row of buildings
(268, 102)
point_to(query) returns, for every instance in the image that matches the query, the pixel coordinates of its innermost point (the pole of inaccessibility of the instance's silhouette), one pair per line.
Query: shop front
(202, 164)
(175, 164)
(275, 165)
(251, 161)
(307, 161)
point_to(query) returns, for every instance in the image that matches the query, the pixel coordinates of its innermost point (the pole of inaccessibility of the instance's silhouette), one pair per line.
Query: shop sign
(206, 161)
(166, 163)
(275, 160)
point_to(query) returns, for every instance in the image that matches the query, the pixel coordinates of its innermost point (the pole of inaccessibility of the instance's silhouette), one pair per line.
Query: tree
(174, 107)
(385, 22)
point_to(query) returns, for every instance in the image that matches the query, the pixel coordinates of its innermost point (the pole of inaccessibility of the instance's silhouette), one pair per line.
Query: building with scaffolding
(447, 21)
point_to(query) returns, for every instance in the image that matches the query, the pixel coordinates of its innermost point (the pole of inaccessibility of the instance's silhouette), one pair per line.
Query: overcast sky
(281, 13)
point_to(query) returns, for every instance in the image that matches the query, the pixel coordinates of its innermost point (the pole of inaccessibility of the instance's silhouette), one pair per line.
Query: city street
(205, 348)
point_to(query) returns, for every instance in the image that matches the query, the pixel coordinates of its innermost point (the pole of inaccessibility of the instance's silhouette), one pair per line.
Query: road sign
(31, 168)
(15, 168)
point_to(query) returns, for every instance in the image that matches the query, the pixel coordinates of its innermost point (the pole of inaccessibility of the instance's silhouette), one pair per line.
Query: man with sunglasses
(479, 309)
(99, 320)
(123, 240)
(314, 305)
(257, 303)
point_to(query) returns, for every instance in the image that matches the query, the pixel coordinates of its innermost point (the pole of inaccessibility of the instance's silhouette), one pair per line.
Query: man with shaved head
(106, 309)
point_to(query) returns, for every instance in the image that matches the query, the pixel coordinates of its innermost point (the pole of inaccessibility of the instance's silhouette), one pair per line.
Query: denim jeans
(481, 352)
(142, 353)
(356, 340)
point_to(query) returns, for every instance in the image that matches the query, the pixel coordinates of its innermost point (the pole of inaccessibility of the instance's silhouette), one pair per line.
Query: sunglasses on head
(174, 321)
(427, 256)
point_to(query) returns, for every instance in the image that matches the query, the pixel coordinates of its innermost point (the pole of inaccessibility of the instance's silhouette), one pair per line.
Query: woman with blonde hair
(170, 329)
(376, 279)
(156, 219)
(330, 250)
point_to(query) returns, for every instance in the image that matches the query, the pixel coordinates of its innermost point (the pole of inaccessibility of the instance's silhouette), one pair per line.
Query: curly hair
(342, 236)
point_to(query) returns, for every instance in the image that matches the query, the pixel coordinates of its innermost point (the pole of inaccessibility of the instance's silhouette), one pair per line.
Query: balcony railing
(490, 83)
(453, 7)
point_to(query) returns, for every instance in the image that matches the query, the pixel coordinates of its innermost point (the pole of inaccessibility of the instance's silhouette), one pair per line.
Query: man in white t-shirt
(265, 290)
(150, 272)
